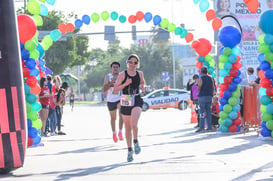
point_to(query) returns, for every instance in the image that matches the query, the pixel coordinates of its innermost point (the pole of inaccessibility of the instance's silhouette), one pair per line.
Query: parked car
(166, 98)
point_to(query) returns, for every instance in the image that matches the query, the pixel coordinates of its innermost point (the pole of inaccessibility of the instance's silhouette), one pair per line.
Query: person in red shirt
(44, 100)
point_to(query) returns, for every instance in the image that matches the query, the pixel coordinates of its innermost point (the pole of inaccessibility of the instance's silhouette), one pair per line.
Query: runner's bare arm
(142, 81)
(106, 84)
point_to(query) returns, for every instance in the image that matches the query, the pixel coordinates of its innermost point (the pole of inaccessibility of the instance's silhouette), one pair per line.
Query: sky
(176, 11)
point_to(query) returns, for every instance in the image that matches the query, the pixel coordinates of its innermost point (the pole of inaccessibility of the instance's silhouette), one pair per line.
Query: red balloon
(265, 83)
(210, 14)
(29, 141)
(26, 72)
(140, 15)
(31, 81)
(199, 65)
(228, 79)
(62, 28)
(36, 89)
(237, 121)
(26, 27)
(238, 115)
(132, 19)
(189, 37)
(70, 27)
(217, 23)
(252, 5)
(232, 128)
(221, 94)
(202, 46)
(269, 91)
(233, 72)
(223, 87)
(236, 65)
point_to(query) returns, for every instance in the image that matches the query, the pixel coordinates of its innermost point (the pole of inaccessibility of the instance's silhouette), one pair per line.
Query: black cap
(195, 76)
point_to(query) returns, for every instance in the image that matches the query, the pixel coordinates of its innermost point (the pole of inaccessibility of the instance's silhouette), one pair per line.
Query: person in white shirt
(251, 77)
(113, 100)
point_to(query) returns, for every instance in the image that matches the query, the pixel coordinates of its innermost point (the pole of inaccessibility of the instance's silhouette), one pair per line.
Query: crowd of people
(52, 100)
(205, 100)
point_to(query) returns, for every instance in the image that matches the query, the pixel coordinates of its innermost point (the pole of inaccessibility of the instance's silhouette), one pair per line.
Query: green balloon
(32, 115)
(34, 54)
(236, 94)
(122, 19)
(95, 17)
(261, 38)
(269, 124)
(223, 58)
(37, 124)
(38, 20)
(227, 108)
(114, 15)
(227, 51)
(171, 27)
(221, 65)
(232, 101)
(183, 33)
(264, 48)
(268, 56)
(221, 121)
(30, 45)
(164, 23)
(223, 115)
(28, 106)
(263, 108)
(266, 116)
(33, 7)
(105, 15)
(265, 100)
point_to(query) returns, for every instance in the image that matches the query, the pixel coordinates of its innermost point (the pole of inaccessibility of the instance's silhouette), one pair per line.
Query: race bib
(127, 100)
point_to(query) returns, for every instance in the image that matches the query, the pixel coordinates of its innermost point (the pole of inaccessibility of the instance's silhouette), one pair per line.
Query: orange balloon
(189, 37)
(70, 27)
(210, 14)
(252, 5)
(199, 65)
(36, 89)
(62, 28)
(216, 24)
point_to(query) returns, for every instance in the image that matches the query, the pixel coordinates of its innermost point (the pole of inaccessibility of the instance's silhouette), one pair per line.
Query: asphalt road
(171, 150)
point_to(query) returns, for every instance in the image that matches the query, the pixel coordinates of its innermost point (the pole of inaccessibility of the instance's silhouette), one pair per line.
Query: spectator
(251, 77)
(215, 112)
(44, 100)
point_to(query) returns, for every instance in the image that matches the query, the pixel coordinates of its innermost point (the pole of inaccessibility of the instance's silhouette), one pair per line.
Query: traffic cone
(193, 117)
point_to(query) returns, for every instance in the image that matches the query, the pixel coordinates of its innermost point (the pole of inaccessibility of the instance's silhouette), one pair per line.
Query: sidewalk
(171, 150)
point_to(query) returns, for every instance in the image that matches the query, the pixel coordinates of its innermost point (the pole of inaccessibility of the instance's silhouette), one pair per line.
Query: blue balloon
(230, 36)
(227, 94)
(34, 72)
(263, 124)
(221, 107)
(22, 46)
(236, 108)
(86, 19)
(237, 80)
(233, 114)
(40, 50)
(265, 132)
(43, 10)
(221, 80)
(223, 128)
(156, 20)
(265, 65)
(31, 98)
(29, 123)
(269, 108)
(25, 54)
(227, 122)
(239, 72)
(262, 91)
(51, 2)
(223, 73)
(41, 62)
(43, 68)
(239, 128)
(203, 5)
(232, 87)
(265, 22)
(26, 88)
(201, 59)
(268, 39)
(227, 66)
(261, 57)
(269, 74)
(232, 58)
(236, 51)
(32, 132)
(78, 23)
(55, 35)
(36, 140)
(221, 50)
(30, 63)
(223, 101)
(148, 17)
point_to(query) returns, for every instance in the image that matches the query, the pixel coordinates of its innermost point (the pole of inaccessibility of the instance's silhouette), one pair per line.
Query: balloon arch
(33, 64)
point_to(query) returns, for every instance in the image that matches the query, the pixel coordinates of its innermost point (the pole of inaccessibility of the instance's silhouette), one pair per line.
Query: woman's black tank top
(132, 88)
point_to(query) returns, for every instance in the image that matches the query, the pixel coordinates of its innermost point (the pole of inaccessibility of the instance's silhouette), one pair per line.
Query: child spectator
(215, 112)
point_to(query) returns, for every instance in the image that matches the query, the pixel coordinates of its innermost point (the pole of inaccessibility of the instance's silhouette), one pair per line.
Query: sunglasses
(132, 62)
